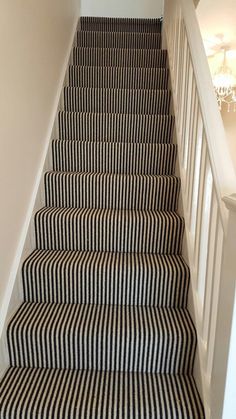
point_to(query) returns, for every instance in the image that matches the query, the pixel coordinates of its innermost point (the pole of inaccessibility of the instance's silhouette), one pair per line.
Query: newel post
(225, 311)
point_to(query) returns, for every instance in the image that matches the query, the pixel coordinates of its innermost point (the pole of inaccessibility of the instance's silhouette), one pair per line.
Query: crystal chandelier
(224, 83)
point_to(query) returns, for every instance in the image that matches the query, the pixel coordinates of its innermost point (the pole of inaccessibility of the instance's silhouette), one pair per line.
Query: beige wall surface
(122, 8)
(35, 38)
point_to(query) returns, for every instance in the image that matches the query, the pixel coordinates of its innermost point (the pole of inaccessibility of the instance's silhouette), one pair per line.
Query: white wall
(35, 40)
(122, 8)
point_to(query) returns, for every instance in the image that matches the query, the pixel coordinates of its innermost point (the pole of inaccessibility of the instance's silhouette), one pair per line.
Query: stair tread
(116, 89)
(149, 35)
(105, 277)
(133, 51)
(100, 141)
(115, 114)
(100, 68)
(119, 20)
(107, 211)
(85, 394)
(115, 175)
(161, 51)
(113, 212)
(150, 339)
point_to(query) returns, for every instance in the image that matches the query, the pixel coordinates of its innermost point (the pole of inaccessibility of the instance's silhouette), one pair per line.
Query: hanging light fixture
(224, 83)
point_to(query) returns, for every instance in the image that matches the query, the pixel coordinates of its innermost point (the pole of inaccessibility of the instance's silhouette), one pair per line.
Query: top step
(106, 24)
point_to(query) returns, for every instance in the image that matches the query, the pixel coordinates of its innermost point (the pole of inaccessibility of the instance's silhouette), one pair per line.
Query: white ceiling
(218, 16)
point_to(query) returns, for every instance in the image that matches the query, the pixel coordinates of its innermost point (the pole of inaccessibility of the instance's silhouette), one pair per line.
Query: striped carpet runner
(104, 330)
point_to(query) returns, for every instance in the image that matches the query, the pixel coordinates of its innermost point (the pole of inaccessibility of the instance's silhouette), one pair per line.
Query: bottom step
(45, 393)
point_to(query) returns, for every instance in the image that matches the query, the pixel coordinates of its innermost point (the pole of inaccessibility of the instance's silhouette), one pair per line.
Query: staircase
(104, 330)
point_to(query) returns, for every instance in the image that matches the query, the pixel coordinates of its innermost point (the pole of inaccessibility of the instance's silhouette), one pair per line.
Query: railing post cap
(230, 202)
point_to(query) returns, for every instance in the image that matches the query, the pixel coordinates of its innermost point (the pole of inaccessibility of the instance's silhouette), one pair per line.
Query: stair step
(118, 40)
(112, 191)
(119, 57)
(121, 101)
(102, 337)
(115, 127)
(118, 77)
(105, 278)
(124, 158)
(97, 394)
(102, 24)
(104, 330)
(109, 230)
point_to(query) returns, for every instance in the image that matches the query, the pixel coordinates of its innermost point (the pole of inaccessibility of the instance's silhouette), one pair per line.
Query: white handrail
(208, 178)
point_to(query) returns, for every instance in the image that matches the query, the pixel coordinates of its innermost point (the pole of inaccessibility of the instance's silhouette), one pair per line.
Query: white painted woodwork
(208, 179)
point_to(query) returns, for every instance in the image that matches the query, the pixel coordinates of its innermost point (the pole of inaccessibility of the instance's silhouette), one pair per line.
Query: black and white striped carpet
(104, 330)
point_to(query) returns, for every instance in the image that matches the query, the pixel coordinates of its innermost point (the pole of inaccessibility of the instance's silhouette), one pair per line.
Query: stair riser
(109, 231)
(118, 40)
(95, 337)
(120, 25)
(116, 101)
(98, 394)
(118, 78)
(109, 57)
(115, 127)
(105, 157)
(112, 192)
(82, 278)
